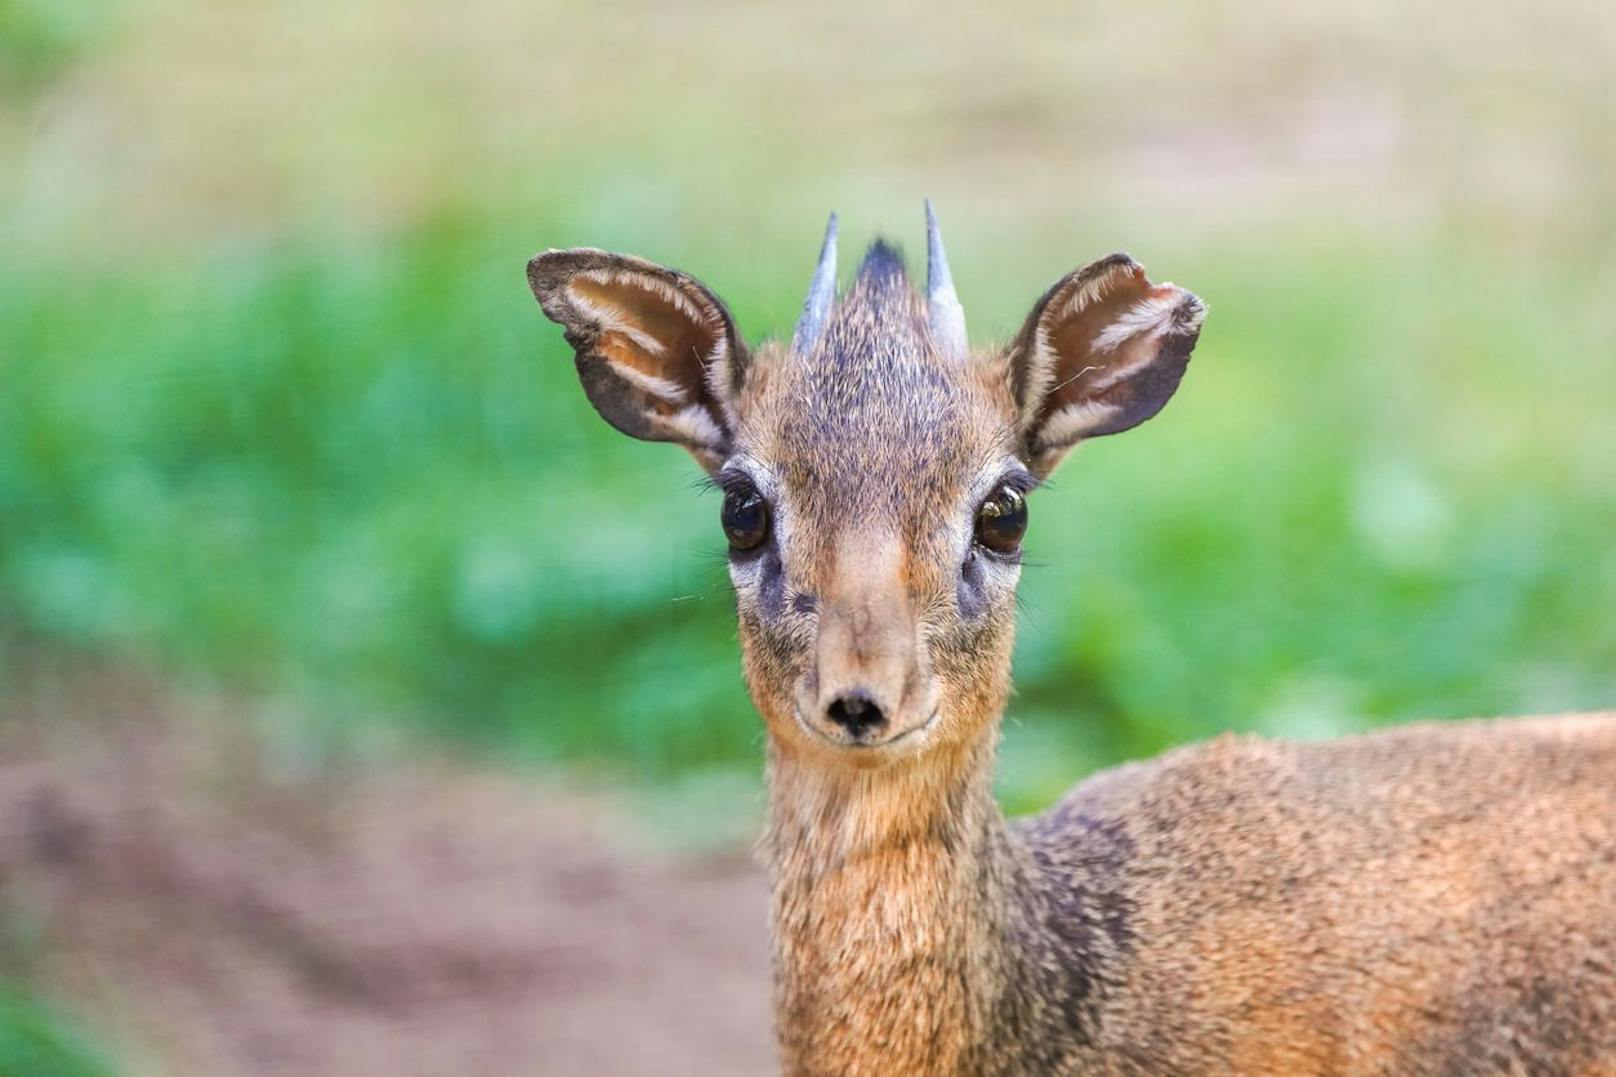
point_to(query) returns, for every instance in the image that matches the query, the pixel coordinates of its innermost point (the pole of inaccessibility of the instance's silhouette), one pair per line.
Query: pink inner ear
(653, 335)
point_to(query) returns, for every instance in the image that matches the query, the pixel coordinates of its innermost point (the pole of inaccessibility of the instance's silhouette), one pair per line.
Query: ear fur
(1101, 352)
(658, 355)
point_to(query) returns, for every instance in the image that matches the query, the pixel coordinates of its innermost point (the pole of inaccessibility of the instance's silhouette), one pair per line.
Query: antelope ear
(1101, 352)
(657, 353)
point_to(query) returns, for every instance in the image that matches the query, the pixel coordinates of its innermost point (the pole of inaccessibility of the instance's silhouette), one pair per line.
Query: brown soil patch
(208, 913)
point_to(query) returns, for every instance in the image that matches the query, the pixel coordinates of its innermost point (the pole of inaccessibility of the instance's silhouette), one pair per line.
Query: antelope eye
(745, 517)
(1002, 520)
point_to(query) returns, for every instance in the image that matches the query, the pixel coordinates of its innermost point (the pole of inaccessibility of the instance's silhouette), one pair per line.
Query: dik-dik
(1436, 899)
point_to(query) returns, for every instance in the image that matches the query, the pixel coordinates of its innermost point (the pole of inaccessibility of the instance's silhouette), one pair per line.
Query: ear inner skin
(1102, 351)
(657, 353)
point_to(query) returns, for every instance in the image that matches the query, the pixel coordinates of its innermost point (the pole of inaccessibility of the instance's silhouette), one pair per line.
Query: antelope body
(1435, 899)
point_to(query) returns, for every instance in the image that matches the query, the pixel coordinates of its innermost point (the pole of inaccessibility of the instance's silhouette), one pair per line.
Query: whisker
(1057, 388)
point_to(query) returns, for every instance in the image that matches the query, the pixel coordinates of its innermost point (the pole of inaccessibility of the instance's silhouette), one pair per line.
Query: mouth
(913, 733)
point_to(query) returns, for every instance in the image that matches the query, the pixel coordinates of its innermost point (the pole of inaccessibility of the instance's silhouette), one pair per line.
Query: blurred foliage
(367, 476)
(36, 1041)
(279, 413)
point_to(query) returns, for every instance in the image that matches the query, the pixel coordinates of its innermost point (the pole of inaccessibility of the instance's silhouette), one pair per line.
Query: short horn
(821, 293)
(943, 310)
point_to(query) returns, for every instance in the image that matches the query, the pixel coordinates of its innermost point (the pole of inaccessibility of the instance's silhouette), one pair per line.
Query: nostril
(856, 712)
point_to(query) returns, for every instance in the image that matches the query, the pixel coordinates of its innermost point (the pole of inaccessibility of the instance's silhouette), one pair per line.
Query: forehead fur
(874, 416)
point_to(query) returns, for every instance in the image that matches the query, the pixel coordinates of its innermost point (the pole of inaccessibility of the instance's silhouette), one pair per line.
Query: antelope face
(874, 474)
(879, 504)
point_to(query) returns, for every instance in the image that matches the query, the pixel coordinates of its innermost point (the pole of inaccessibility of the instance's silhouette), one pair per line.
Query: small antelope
(1435, 899)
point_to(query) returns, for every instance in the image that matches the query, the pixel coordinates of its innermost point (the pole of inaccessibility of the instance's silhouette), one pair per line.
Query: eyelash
(735, 481)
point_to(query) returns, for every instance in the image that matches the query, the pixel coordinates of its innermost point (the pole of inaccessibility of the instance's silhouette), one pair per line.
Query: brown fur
(1436, 899)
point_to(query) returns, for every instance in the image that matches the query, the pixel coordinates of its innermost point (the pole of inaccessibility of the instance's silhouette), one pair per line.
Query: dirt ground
(204, 911)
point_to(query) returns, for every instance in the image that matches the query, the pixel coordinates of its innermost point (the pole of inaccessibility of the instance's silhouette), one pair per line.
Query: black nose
(857, 712)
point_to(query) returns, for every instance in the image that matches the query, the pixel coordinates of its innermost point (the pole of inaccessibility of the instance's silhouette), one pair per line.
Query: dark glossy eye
(1002, 520)
(745, 518)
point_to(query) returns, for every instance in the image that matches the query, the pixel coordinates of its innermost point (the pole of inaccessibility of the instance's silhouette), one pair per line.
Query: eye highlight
(745, 518)
(1002, 520)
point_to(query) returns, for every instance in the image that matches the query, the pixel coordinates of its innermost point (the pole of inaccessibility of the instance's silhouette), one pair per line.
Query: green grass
(365, 479)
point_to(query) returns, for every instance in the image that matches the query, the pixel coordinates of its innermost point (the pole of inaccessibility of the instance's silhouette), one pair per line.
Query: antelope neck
(910, 919)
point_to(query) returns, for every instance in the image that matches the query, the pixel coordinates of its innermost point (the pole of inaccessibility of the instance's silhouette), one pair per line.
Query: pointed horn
(943, 308)
(821, 293)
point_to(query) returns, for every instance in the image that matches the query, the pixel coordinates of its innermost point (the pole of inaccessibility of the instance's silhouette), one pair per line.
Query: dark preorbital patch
(771, 584)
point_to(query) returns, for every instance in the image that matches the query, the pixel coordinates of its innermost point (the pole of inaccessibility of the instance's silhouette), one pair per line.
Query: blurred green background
(280, 419)
(278, 411)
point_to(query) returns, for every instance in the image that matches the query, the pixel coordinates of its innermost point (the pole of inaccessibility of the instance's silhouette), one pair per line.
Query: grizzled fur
(1438, 899)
